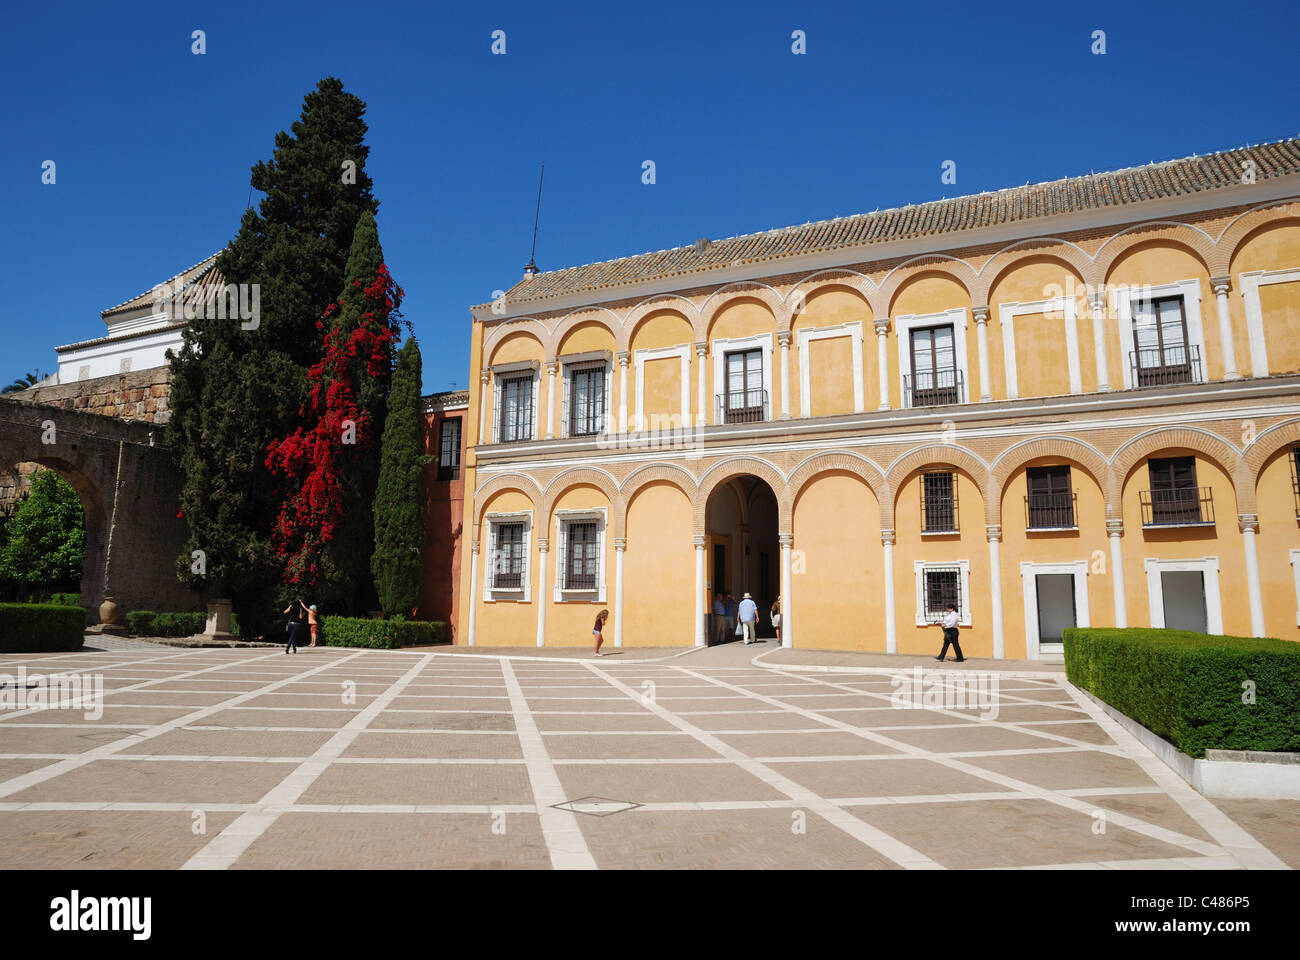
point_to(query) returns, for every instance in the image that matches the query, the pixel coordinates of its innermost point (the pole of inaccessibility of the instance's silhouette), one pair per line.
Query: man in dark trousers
(950, 634)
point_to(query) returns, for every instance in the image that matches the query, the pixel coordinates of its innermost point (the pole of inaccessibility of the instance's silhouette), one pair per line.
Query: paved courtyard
(730, 757)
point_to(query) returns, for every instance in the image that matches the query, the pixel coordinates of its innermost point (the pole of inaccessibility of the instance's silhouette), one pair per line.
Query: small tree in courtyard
(399, 499)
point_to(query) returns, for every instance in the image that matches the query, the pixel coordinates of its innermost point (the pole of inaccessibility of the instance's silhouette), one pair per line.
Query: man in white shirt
(950, 634)
(748, 614)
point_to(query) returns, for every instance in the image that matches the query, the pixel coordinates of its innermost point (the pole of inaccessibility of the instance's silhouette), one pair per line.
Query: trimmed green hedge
(381, 634)
(1189, 687)
(40, 628)
(148, 623)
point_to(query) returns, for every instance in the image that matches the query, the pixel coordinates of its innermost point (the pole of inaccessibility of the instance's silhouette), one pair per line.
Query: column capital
(882, 326)
(485, 376)
(473, 546)
(888, 538)
(701, 347)
(541, 544)
(551, 366)
(1248, 522)
(623, 357)
(1221, 284)
(699, 542)
(981, 314)
(783, 337)
(1114, 527)
(620, 543)
(993, 531)
(785, 539)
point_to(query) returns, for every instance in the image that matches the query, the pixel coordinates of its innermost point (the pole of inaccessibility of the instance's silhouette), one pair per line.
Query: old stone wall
(140, 395)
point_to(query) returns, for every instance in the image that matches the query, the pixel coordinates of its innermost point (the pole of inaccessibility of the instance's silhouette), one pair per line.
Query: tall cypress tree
(237, 386)
(399, 500)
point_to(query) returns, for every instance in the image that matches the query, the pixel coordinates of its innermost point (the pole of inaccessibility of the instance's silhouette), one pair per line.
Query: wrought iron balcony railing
(934, 388)
(742, 406)
(1159, 367)
(1179, 507)
(1050, 511)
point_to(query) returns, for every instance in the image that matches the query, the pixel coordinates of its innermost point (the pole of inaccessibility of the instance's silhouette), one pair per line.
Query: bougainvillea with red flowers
(329, 466)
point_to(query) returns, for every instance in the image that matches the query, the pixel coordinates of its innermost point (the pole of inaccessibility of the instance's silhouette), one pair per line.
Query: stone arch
(1192, 239)
(811, 286)
(589, 476)
(721, 472)
(1010, 258)
(937, 453)
(679, 477)
(1266, 445)
(862, 468)
(500, 484)
(1216, 448)
(527, 325)
(577, 318)
(917, 268)
(1245, 226)
(732, 293)
(1084, 454)
(660, 303)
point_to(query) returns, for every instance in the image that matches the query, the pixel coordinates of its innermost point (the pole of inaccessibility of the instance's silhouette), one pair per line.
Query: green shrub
(381, 634)
(148, 623)
(66, 599)
(40, 628)
(1189, 687)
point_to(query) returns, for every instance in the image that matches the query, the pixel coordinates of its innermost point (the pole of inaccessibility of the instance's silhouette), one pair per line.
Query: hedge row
(40, 628)
(148, 623)
(1197, 691)
(381, 634)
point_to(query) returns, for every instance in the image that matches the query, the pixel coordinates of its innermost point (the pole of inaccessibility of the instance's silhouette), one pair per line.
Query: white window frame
(963, 586)
(524, 592)
(509, 371)
(1122, 300)
(903, 327)
(601, 359)
(640, 358)
(1249, 283)
(720, 349)
(1028, 572)
(852, 330)
(562, 519)
(1209, 568)
(1007, 313)
(1294, 557)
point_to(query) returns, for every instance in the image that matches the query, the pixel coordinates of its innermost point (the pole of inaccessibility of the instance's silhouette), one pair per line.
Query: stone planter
(218, 625)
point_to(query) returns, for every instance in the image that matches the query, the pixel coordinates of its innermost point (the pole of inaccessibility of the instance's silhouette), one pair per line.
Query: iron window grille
(939, 502)
(582, 556)
(508, 561)
(1050, 503)
(1294, 460)
(449, 449)
(584, 402)
(515, 421)
(942, 587)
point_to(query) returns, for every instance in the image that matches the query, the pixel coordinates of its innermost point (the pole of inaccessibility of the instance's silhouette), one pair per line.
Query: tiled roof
(444, 401)
(195, 281)
(1173, 178)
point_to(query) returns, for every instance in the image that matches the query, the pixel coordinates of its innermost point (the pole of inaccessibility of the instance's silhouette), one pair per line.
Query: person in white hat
(748, 614)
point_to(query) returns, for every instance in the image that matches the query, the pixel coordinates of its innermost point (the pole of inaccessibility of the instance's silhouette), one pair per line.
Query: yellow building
(1075, 402)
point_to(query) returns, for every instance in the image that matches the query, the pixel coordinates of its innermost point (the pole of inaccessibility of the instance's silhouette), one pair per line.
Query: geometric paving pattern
(335, 759)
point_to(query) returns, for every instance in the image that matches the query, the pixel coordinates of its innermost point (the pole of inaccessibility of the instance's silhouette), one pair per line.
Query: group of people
(741, 619)
(298, 612)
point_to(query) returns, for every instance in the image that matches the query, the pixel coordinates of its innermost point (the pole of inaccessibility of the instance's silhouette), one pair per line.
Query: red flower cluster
(312, 456)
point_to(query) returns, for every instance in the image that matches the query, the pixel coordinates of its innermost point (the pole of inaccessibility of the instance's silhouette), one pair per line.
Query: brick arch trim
(1266, 445)
(1213, 446)
(499, 484)
(720, 473)
(1071, 448)
(938, 453)
(591, 477)
(854, 463)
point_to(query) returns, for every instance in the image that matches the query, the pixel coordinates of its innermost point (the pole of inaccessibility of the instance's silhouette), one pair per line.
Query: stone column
(1099, 343)
(482, 405)
(1221, 285)
(882, 361)
(620, 544)
(550, 400)
(702, 385)
(982, 332)
(787, 638)
(473, 590)
(783, 338)
(623, 358)
(891, 611)
(701, 636)
(1115, 529)
(541, 592)
(994, 532)
(1249, 523)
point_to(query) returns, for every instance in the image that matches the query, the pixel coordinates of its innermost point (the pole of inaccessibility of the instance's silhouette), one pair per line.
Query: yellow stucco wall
(1275, 246)
(569, 622)
(934, 293)
(1158, 263)
(1279, 534)
(658, 569)
(514, 623)
(832, 387)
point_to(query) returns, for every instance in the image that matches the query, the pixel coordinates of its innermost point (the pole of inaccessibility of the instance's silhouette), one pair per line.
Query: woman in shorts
(597, 630)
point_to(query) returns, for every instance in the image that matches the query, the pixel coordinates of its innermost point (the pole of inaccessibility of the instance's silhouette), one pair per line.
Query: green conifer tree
(399, 500)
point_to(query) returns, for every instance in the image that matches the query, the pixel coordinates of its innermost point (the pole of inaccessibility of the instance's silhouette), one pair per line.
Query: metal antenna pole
(532, 255)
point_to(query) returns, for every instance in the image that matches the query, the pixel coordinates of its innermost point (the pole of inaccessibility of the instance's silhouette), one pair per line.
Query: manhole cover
(597, 806)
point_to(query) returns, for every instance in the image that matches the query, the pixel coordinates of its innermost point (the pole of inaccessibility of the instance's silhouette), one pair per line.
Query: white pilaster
(882, 361)
(1221, 285)
(891, 613)
(550, 401)
(783, 338)
(1249, 526)
(541, 592)
(787, 638)
(622, 391)
(982, 334)
(995, 589)
(482, 406)
(1115, 529)
(701, 635)
(473, 590)
(701, 387)
(1099, 344)
(619, 544)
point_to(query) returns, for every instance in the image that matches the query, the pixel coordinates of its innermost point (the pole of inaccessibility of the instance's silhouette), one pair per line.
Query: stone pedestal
(218, 626)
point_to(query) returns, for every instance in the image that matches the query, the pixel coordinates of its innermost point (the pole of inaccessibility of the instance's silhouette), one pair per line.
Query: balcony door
(744, 399)
(1160, 335)
(1175, 498)
(934, 366)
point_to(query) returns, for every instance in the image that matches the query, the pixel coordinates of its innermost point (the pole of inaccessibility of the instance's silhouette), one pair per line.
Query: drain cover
(597, 806)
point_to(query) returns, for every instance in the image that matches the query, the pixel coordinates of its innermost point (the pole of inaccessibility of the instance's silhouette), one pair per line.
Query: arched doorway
(742, 550)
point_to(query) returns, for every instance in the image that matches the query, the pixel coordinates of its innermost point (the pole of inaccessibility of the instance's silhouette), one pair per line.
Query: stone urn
(110, 617)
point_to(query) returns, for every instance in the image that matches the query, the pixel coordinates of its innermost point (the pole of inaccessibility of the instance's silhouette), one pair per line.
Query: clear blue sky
(154, 144)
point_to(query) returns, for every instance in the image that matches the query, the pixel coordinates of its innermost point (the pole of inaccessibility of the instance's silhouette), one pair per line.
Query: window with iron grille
(744, 400)
(1049, 504)
(508, 561)
(582, 556)
(939, 502)
(586, 415)
(934, 379)
(515, 421)
(942, 587)
(1174, 497)
(449, 449)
